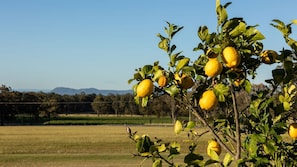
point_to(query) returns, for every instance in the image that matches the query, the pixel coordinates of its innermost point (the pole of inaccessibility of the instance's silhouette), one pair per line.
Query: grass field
(76, 146)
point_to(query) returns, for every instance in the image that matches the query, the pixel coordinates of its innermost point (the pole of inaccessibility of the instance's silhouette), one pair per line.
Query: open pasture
(76, 146)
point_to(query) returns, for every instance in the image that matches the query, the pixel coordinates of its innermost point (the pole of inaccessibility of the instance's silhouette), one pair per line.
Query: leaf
(227, 159)
(190, 125)
(193, 159)
(254, 34)
(172, 90)
(221, 91)
(221, 14)
(294, 21)
(162, 148)
(247, 86)
(286, 105)
(178, 127)
(278, 75)
(157, 163)
(239, 29)
(203, 32)
(157, 75)
(144, 101)
(213, 155)
(181, 63)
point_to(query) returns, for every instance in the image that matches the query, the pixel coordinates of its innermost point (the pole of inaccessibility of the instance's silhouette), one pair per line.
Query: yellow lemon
(293, 131)
(162, 81)
(213, 67)
(268, 56)
(231, 57)
(208, 100)
(144, 88)
(215, 146)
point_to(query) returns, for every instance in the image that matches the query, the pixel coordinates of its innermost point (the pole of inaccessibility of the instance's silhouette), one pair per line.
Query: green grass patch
(104, 146)
(103, 120)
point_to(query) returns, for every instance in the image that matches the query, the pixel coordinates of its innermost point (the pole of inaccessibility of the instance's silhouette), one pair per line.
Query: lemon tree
(211, 85)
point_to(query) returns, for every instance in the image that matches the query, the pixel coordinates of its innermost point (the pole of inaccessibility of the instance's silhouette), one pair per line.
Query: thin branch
(237, 124)
(212, 131)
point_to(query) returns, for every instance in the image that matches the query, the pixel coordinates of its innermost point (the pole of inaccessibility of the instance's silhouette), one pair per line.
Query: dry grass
(104, 146)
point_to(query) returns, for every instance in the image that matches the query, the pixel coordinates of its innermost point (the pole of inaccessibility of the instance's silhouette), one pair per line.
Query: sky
(99, 43)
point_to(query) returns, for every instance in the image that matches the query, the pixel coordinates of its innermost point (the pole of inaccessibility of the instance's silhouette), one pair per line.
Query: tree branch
(237, 125)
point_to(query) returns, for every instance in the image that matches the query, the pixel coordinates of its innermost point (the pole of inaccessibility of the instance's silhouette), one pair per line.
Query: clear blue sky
(98, 43)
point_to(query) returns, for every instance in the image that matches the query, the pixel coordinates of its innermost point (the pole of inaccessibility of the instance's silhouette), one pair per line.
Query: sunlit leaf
(294, 21)
(178, 127)
(181, 63)
(172, 90)
(227, 159)
(162, 148)
(157, 163)
(239, 29)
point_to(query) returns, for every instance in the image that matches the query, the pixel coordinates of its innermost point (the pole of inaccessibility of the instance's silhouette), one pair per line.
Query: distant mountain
(71, 91)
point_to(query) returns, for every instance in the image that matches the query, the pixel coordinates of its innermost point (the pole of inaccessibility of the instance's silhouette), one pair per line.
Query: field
(76, 146)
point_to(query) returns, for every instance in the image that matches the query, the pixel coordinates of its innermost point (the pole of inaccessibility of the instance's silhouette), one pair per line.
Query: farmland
(103, 145)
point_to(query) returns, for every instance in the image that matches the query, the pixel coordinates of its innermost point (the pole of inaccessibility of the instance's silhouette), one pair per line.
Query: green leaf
(227, 159)
(221, 91)
(239, 29)
(213, 155)
(278, 75)
(147, 69)
(172, 90)
(181, 63)
(190, 125)
(286, 105)
(221, 14)
(193, 159)
(161, 148)
(157, 75)
(178, 127)
(157, 163)
(203, 32)
(254, 34)
(294, 21)
(144, 101)
(247, 86)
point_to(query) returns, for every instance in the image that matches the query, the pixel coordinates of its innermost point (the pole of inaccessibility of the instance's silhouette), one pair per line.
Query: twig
(237, 124)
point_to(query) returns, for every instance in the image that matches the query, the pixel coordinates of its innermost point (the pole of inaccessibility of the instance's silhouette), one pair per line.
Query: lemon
(293, 131)
(268, 56)
(231, 57)
(213, 67)
(144, 88)
(162, 81)
(208, 100)
(215, 146)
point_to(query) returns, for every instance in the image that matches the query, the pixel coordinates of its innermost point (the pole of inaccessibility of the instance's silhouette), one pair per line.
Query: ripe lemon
(213, 67)
(231, 57)
(293, 131)
(144, 88)
(208, 100)
(162, 81)
(268, 56)
(215, 146)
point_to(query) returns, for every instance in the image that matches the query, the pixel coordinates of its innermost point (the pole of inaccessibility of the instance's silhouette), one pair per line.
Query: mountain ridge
(72, 91)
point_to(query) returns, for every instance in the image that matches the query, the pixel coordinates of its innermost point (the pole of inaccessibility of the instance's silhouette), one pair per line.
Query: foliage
(250, 136)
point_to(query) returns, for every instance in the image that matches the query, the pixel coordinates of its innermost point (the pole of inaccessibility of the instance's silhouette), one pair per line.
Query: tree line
(37, 105)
